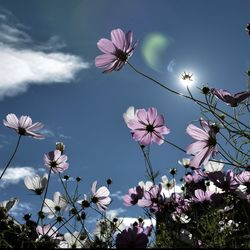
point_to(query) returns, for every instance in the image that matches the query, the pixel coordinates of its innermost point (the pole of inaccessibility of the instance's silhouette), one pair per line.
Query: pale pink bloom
(47, 230)
(227, 97)
(116, 52)
(243, 177)
(23, 126)
(205, 146)
(134, 194)
(100, 196)
(148, 127)
(200, 195)
(8, 204)
(56, 161)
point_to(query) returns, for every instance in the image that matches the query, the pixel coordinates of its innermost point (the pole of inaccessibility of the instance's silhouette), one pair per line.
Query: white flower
(166, 184)
(8, 204)
(213, 166)
(146, 186)
(36, 183)
(184, 162)
(52, 207)
(129, 114)
(73, 240)
(212, 188)
(100, 196)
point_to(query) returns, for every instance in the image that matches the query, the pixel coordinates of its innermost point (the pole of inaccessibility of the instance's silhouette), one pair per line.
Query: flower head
(52, 207)
(201, 196)
(134, 237)
(47, 230)
(116, 52)
(23, 126)
(148, 127)
(8, 204)
(205, 146)
(100, 196)
(56, 161)
(36, 183)
(213, 166)
(227, 97)
(134, 194)
(74, 240)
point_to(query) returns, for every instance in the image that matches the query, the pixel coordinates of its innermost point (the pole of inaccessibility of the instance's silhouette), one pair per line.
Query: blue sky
(47, 51)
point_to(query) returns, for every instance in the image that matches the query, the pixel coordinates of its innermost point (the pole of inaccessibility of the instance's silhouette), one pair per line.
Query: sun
(187, 79)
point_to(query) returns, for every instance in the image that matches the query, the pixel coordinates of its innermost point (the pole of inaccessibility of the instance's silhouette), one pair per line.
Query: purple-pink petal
(196, 132)
(106, 46)
(118, 38)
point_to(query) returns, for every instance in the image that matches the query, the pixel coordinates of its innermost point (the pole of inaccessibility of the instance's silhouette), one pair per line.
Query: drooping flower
(100, 196)
(52, 207)
(205, 146)
(8, 204)
(134, 194)
(232, 100)
(116, 52)
(23, 126)
(134, 237)
(201, 196)
(36, 183)
(148, 127)
(56, 161)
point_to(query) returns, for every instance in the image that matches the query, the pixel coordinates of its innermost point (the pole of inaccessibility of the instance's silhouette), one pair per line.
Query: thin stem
(45, 194)
(180, 94)
(7, 165)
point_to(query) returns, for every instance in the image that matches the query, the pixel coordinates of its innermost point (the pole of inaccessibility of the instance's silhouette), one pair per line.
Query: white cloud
(47, 132)
(24, 62)
(117, 194)
(20, 209)
(14, 175)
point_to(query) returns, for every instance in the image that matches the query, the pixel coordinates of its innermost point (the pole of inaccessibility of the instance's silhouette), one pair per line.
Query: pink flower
(48, 230)
(205, 146)
(23, 126)
(56, 161)
(227, 97)
(135, 237)
(201, 196)
(134, 194)
(116, 52)
(100, 197)
(148, 127)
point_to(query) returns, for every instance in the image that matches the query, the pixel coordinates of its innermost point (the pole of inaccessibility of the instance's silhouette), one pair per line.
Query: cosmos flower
(227, 97)
(8, 204)
(116, 52)
(74, 240)
(23, 126)
(201, 196)
(148, 127)
(134, 194)
(134, 237)
(243, 177)
(152, 199)
(167, 184)
(56, 161)
(47, 230)
(52, 207)
(194, 177)
(129, 114)
(185, 162)
(213, 166)
(205, 146)
(36, 183)
(100, 196)
(146, 186)
(226, 181)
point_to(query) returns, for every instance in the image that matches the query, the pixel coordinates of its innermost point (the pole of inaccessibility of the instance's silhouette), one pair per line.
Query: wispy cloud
(24, 61)
(14, 175)
(20, 209)
(118, 195)
(171, 65)
(47, 132)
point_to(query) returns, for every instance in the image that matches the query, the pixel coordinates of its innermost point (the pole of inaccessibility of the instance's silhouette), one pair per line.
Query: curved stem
(45, 194)
(7, 165)
(199, 102)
